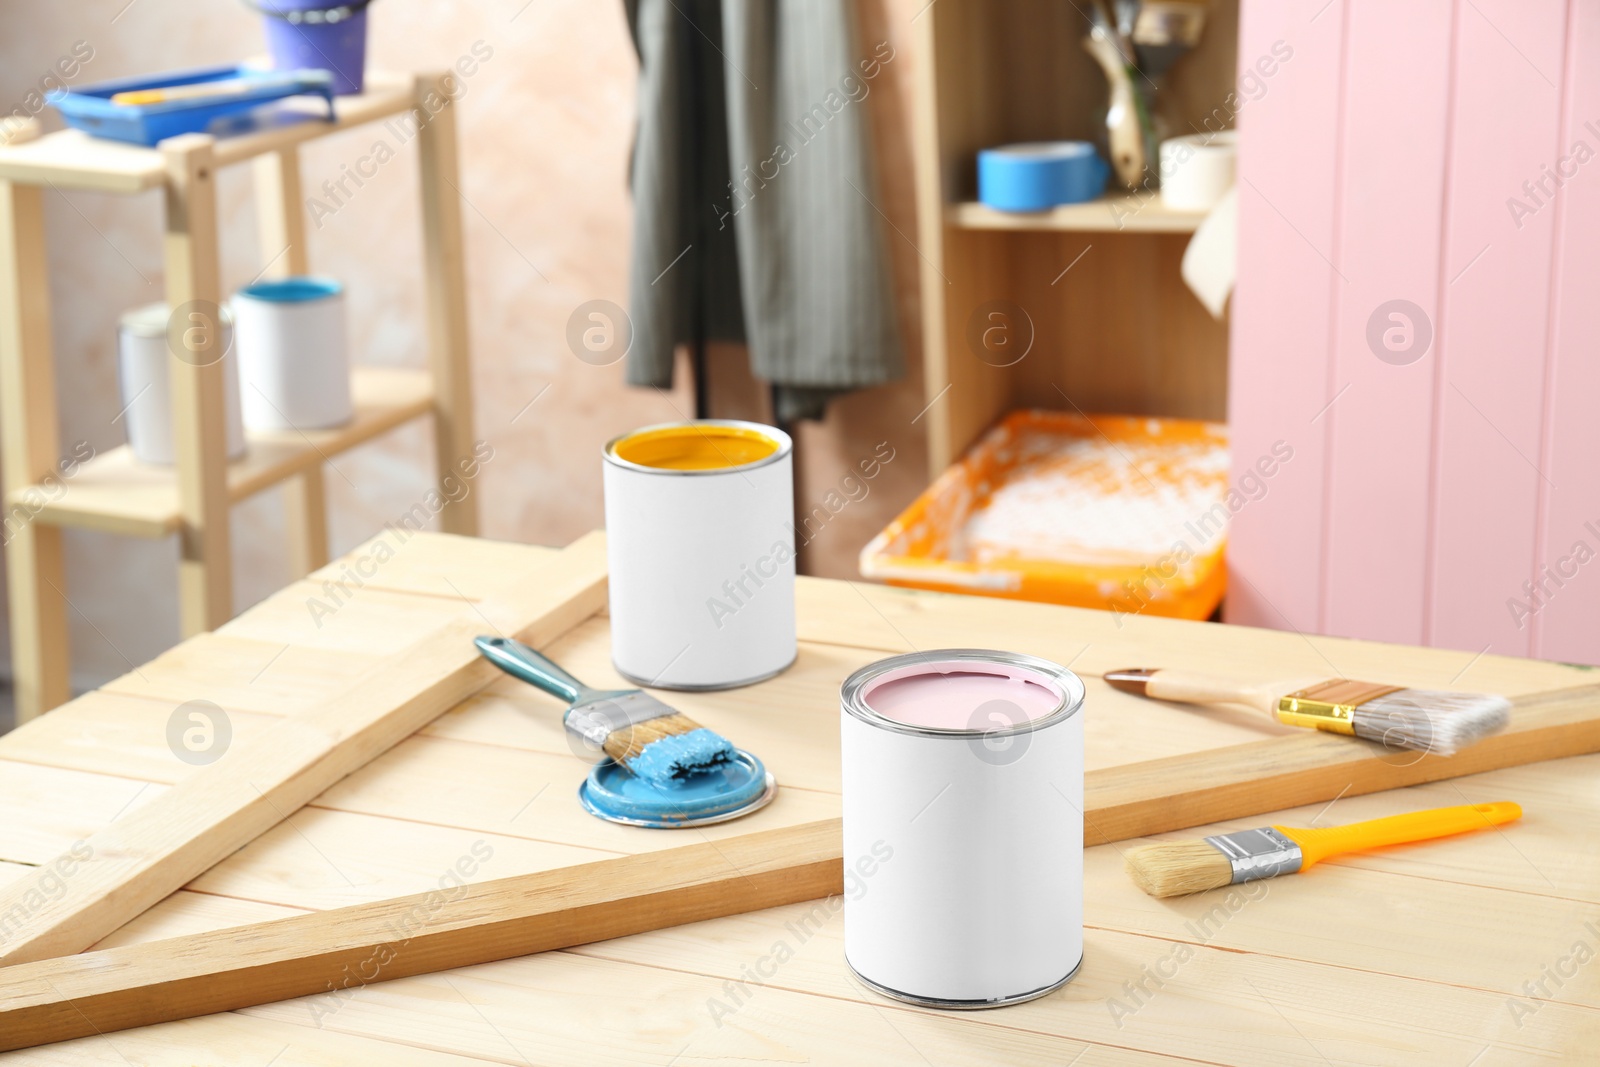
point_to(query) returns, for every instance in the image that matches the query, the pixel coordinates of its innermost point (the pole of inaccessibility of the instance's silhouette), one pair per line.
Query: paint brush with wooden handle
(1427, 720)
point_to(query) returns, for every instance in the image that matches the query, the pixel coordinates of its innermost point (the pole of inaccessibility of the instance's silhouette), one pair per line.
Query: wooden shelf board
(75, 160)
(1125, 213)
(116, 493)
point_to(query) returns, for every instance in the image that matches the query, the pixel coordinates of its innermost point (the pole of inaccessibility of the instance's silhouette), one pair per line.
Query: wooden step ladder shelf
(116, 494)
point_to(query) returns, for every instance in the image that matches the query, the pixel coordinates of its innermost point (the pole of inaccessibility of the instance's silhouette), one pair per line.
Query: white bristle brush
(1427, 720)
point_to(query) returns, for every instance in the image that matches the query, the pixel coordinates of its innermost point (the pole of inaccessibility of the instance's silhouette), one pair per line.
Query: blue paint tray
(90, 108)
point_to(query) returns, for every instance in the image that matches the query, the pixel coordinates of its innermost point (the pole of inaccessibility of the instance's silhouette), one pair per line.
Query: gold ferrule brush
(1330, 705)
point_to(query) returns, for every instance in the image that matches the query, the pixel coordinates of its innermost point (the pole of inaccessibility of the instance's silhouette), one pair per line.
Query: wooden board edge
(339, 951)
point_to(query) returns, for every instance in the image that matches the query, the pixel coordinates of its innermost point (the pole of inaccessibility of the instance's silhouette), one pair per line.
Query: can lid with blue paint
(738, 787)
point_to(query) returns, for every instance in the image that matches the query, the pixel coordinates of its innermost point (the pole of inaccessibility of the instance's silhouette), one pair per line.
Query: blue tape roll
(1039, 175)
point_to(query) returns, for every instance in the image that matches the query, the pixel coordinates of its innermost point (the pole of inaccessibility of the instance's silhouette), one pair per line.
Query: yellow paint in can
(695, 447)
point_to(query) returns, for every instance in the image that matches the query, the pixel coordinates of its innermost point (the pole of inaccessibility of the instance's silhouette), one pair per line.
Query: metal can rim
(784, 442)
(855, 705)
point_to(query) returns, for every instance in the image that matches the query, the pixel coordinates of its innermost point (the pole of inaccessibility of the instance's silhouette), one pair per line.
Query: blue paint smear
(669, 759)
(613, 792)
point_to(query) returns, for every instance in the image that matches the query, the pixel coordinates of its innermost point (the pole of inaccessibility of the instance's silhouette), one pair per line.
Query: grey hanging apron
(753, 189)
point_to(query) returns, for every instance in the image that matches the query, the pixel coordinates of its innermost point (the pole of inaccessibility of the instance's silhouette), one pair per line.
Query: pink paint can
(963, 827)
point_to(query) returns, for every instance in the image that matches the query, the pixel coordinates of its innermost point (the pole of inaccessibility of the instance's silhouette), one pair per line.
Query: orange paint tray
(1123, 513)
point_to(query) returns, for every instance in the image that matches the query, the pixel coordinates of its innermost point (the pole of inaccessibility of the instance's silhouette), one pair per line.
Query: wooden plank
(342, 613)
(1116, 213)
(160, 846)
(113, 989)
(1496, 300)
(1137, 990)
(1395, 121)
(35, 574)
(533, 796)
(44, 810)
(319, 860)
(445, 565)
(866, 615)
(187, 912)
(238, 674)
(116, 493)
(1534, 858)
(236, 1039)
(563, 1010)
(444, 265)
(194, 293)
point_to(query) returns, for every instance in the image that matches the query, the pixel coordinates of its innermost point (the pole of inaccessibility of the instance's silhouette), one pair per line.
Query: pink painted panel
(1391, 197)
(1278, 361)
(1494, 316)
(1564, 622)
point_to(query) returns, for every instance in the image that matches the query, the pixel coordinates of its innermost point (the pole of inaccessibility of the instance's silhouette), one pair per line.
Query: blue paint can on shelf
(1037, 176)
(318, 35)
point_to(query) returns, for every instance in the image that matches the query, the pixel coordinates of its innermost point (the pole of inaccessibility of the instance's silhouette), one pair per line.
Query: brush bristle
(681, 747)
(1431, 721)
(1173, 870)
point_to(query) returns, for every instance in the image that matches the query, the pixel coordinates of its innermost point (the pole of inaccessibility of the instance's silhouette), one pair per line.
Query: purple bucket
(319, 35)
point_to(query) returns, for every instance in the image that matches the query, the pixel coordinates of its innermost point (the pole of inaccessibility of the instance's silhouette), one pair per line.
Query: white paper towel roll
(1211, 260)
(1197, 170)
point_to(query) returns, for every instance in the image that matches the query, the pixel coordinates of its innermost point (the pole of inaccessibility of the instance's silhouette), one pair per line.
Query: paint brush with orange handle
(1172, 869)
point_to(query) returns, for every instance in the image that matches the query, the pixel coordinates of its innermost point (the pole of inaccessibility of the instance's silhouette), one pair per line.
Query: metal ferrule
(1261, 853)
(1295, 710)
(600, 718)
(1330, 705)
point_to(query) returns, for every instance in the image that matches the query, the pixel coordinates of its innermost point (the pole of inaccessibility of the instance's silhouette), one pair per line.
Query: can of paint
(700, 546)
(293, 358)
(963, 827)
(144, 363)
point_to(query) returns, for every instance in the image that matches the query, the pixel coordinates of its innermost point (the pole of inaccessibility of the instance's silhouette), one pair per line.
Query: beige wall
(545, 126)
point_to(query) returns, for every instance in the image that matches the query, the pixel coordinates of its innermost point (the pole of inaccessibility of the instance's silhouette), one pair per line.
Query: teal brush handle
(520, 661)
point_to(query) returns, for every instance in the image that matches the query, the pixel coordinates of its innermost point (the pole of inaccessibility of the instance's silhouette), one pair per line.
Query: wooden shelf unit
(115, 493)
(1113, 327)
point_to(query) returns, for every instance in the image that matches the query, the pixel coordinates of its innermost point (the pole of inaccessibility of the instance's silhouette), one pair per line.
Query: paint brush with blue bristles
(651, 739)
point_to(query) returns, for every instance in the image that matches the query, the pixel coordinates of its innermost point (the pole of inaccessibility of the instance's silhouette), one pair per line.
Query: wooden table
(1415, 955)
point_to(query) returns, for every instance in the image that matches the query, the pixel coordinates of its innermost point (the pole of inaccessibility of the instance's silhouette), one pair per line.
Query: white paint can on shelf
(962, 774)
(700, 545)
(294, 363)
(144, 363)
